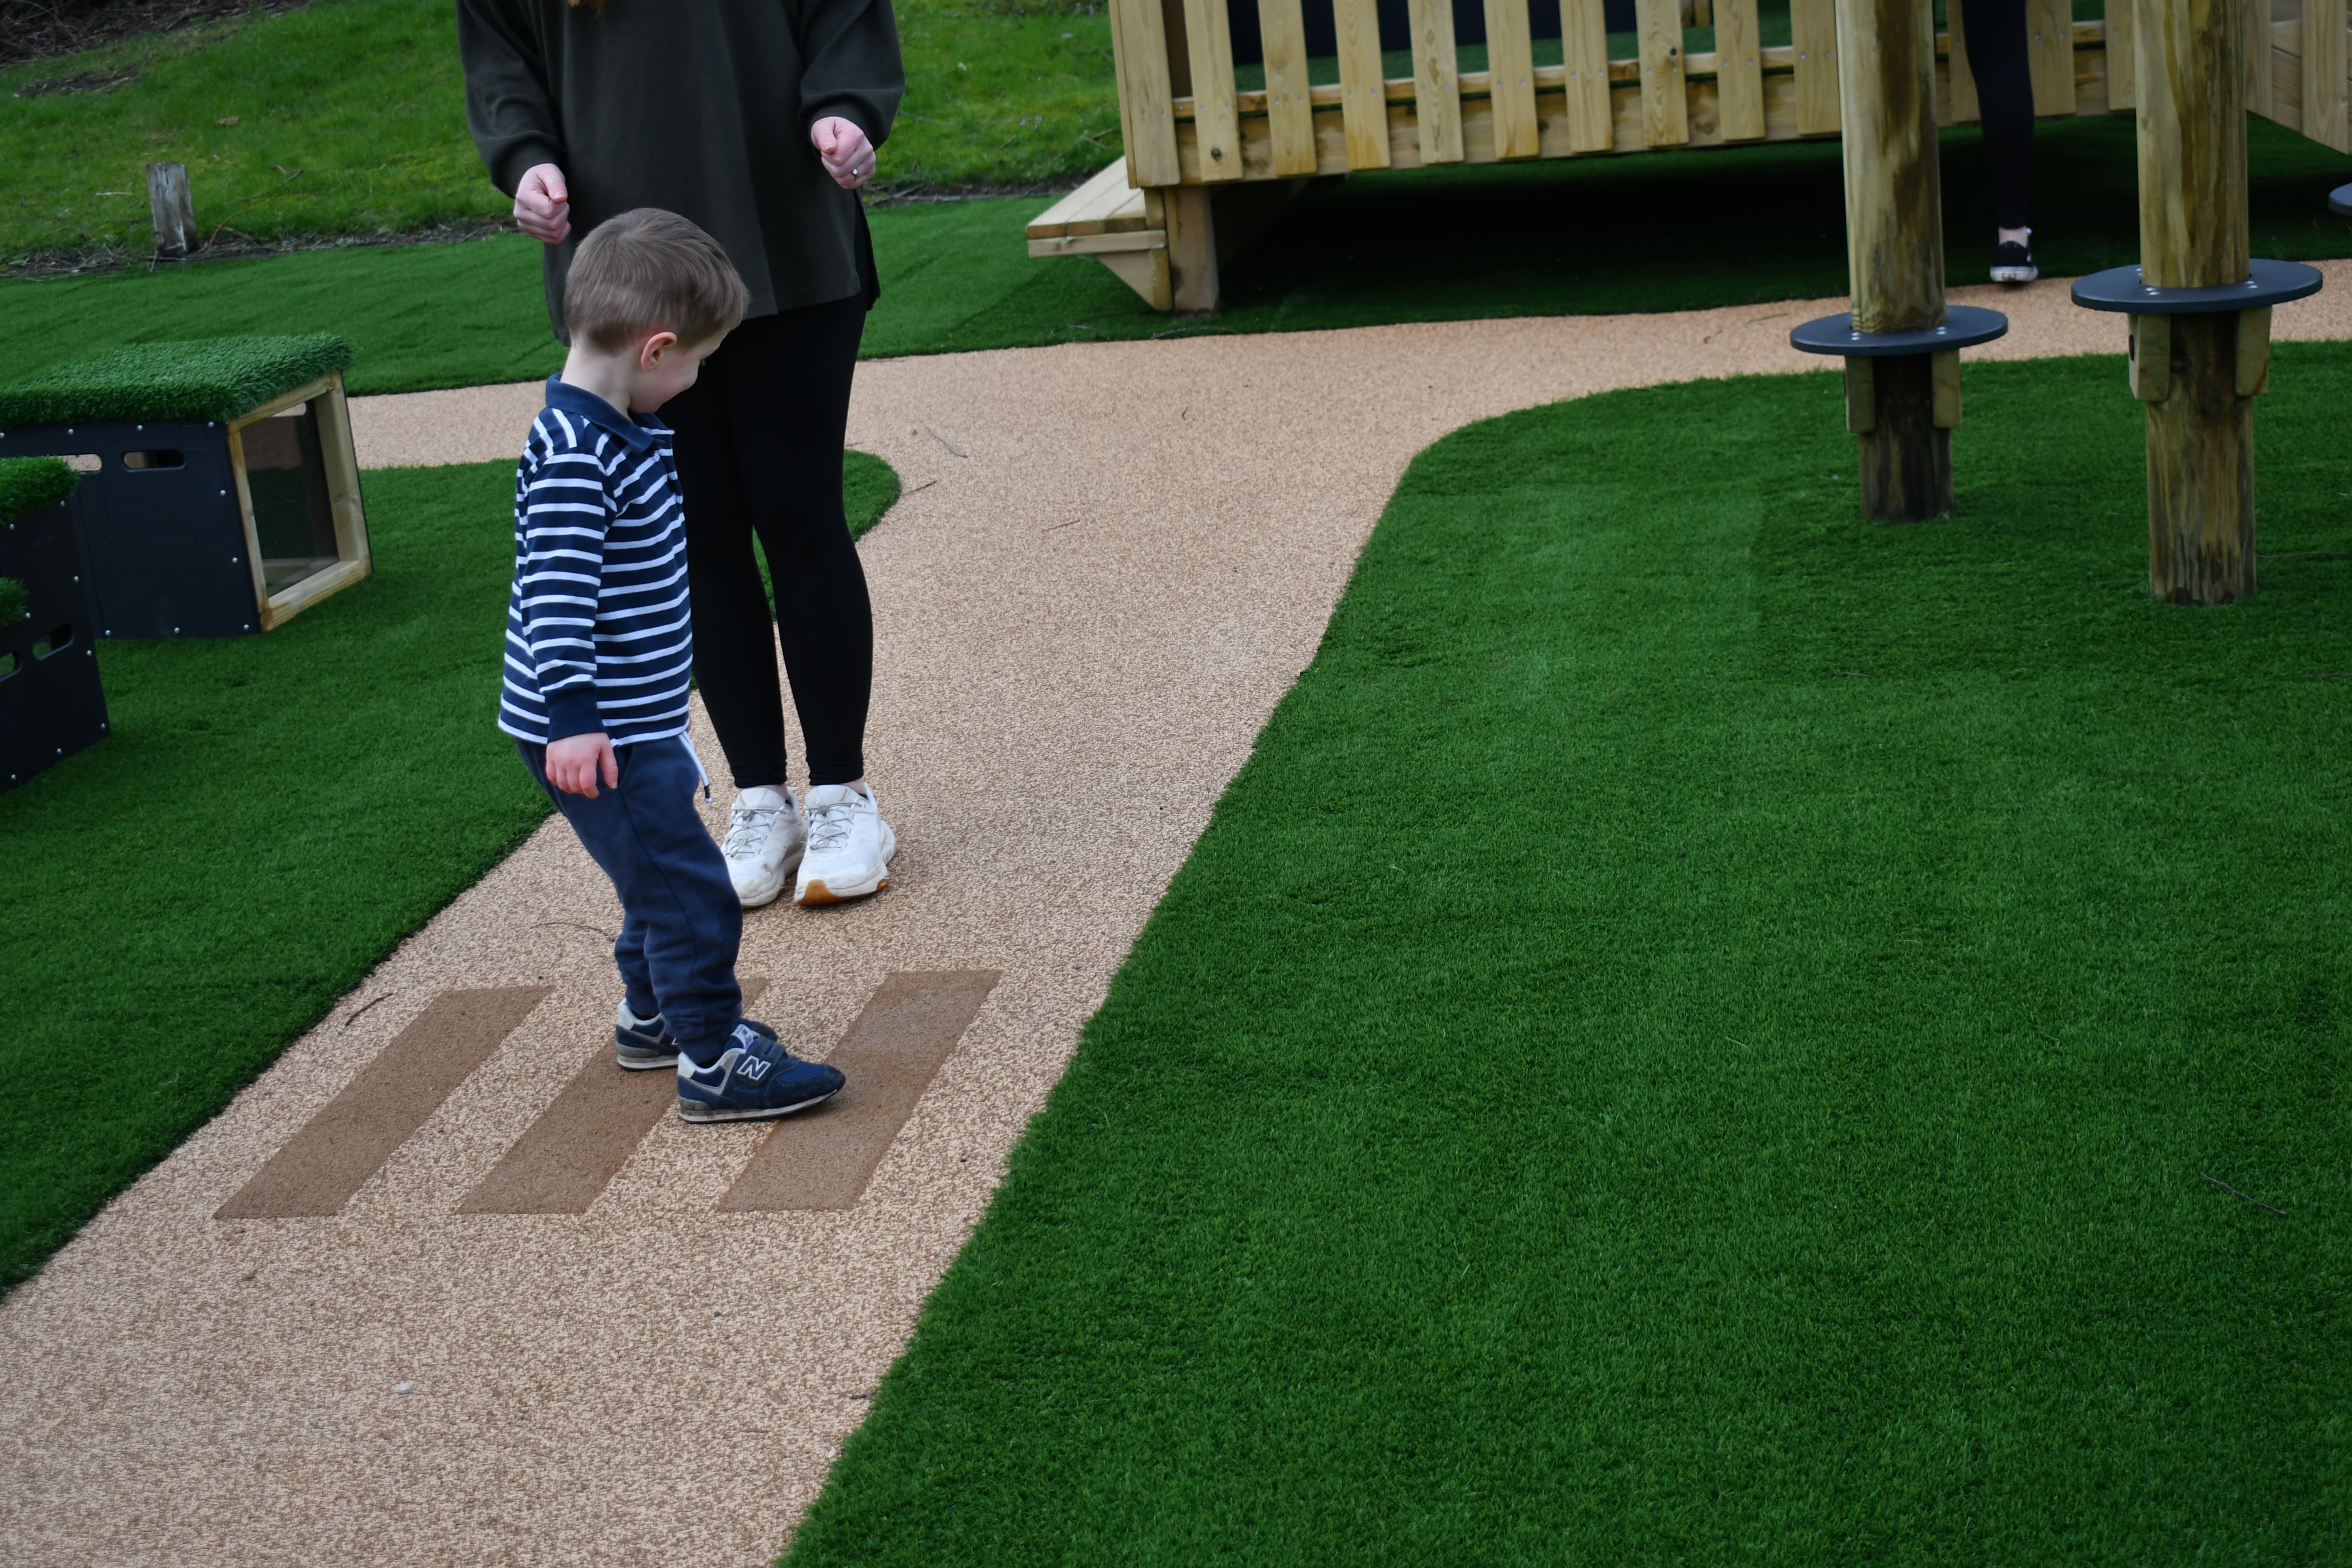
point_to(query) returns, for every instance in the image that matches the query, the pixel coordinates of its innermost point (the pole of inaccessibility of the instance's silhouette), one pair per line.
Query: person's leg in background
(782, 384)
(789, 431)
(1995, 30)
(734, 631)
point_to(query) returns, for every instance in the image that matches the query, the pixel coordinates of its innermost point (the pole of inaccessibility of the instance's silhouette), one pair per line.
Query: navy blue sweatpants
(680, 920)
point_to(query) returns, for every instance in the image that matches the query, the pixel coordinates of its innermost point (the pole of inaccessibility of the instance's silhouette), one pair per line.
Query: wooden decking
(1188, 130)
(1185, 124)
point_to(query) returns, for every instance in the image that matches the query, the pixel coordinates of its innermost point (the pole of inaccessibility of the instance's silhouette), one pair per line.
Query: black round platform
(1964, 327)
(2273, 283)
(2339, 200)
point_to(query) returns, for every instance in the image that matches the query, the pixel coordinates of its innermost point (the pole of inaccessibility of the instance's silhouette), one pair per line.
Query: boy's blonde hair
(650, 271)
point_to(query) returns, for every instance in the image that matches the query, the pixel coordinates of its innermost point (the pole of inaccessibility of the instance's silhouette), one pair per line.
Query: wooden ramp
(1110, 220)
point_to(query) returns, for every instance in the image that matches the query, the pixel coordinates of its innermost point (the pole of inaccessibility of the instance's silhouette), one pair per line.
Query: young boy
(599, 644)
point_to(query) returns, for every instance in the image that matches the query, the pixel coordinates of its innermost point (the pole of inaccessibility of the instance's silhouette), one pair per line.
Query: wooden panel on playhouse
(1188, 130)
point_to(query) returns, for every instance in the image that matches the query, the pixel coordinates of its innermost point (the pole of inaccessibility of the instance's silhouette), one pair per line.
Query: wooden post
(1895, 249)
(171, 209)
(2193, 234)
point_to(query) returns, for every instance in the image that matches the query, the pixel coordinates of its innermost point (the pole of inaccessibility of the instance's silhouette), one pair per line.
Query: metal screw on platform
(171, 209)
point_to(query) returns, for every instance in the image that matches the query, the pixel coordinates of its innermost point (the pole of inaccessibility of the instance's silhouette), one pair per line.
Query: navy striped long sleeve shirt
(598, 634)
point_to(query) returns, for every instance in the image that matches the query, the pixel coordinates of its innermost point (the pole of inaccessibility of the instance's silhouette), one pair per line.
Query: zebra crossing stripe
(319, 1169)
(567, 1157)
(823, 1159)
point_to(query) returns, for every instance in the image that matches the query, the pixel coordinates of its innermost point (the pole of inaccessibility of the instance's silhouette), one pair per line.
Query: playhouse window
(293, 513)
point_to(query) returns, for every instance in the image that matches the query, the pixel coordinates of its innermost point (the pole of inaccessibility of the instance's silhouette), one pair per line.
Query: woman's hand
(848, 156)
(542, 206)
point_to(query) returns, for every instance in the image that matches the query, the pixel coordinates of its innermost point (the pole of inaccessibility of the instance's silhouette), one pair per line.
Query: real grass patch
(1660, 231)
(348, 117)
(1699, 1035)
(268, 817)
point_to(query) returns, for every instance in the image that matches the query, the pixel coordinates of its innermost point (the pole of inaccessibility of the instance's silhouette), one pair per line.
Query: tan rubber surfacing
(1109, 563)
(322, 1166)
(888, 1058)
(571, 1154)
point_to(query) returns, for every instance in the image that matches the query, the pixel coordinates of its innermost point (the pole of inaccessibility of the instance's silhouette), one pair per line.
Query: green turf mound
(1699, 1036)
(12, 601)
(218, 378)
(28, 482)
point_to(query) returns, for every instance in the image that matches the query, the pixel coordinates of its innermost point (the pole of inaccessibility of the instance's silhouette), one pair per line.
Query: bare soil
(50, 29)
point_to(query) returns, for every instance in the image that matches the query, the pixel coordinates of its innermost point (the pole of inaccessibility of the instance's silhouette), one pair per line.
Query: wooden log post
(171, 209)
(1895, 251)
(2193, 234)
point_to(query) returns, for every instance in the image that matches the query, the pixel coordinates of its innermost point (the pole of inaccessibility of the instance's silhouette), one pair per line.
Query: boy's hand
(848, 156)
(542, 208)
(574, 762)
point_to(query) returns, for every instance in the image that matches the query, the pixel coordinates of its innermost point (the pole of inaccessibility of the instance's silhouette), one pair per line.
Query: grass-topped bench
(221, 491)
(51, 705)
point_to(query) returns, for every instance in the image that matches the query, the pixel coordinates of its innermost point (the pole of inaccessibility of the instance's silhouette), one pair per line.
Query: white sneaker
(849, 847)
(766, 835)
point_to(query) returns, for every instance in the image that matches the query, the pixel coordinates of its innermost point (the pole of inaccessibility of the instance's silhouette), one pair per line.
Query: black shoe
(2013, 263)
(642, 1043)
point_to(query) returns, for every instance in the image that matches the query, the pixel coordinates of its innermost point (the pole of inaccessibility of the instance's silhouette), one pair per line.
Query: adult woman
(759, 121)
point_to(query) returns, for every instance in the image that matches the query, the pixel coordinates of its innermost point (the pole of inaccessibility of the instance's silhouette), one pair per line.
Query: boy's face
(666, 367)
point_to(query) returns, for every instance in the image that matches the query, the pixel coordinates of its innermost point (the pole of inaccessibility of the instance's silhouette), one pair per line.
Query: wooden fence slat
(1138, 41)
(1511, 78)
(2122, 71)
(1436, 84)
(1739, 72)
(2049, 55)
(1666, 108)
(1966, 110)
(2325, 118)
(1209, 39)
(1363, 105)
(1813, 28)
(1290, 116)
(1584, 54)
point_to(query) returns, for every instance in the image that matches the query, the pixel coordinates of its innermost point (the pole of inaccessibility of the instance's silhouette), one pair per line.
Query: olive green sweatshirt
(699, 106)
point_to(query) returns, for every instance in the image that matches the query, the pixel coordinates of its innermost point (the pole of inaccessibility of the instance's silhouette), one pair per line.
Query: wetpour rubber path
(444, 1287)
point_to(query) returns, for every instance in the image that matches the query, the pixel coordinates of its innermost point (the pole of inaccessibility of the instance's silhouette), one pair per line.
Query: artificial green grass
(1698, 1036)
(12, 601)
(417, 316)
(215, 378)
(266, 818)
(28, 482)
(1658, 232)
(869, 487)
(348, 117)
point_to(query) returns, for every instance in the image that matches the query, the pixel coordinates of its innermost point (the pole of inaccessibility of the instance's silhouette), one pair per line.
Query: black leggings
(1995, 30)
(759, 451)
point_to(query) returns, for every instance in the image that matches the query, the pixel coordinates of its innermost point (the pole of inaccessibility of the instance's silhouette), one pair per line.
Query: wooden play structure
(1206, 162)
(2198, 305)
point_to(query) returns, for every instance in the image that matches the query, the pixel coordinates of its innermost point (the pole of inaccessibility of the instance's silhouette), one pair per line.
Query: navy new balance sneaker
(642, 1043)
(752, 1078)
